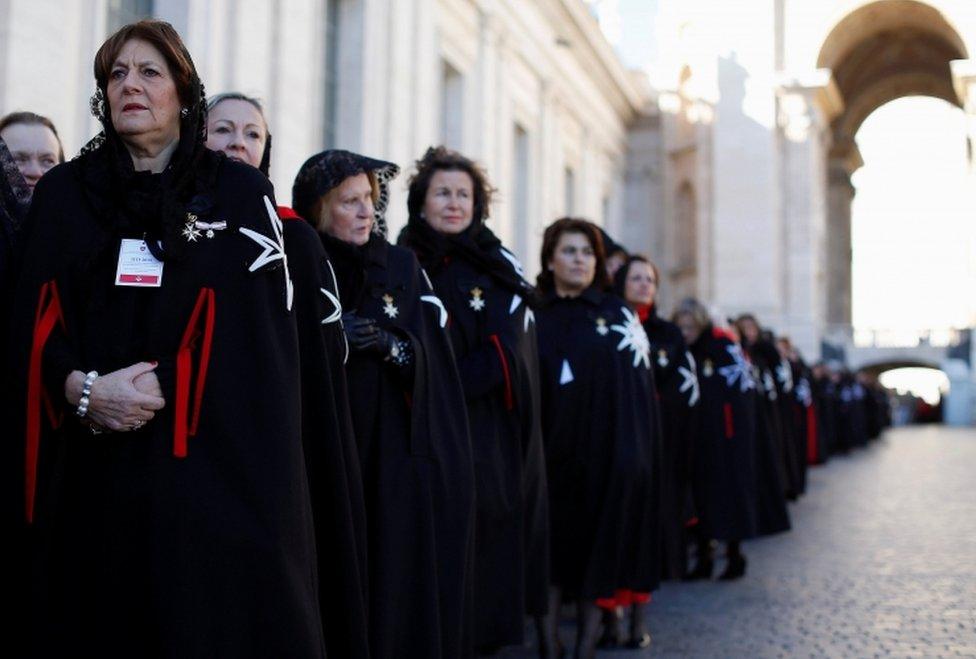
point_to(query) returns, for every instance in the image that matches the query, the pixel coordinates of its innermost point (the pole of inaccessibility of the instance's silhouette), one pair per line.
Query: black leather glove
(365, 335)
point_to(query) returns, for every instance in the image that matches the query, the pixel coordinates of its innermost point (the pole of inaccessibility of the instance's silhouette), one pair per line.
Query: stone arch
(886, 50)
(878, 52)
(877, 368)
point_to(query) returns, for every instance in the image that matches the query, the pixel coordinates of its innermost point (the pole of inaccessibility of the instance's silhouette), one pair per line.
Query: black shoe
(736, 569)
(703, 570)
(644, 641)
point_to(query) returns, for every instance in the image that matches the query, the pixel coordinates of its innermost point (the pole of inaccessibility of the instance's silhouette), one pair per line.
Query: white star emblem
(634, 338)
(738, 370)
(511, 258)
(528, 317)
(769, 385)
(476, 302)
(436, 301)
(273, 249)
(190, 232)
(689, 381)
(804, 393)
(337, 314)
(389, 308)
(785, 375)
(337, 307)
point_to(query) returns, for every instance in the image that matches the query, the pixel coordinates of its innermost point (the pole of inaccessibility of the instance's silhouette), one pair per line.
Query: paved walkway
(881, 562)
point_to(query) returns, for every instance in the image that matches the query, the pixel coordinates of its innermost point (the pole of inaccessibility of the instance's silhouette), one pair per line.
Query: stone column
(844, 160)
(963, 388)
(806, 106)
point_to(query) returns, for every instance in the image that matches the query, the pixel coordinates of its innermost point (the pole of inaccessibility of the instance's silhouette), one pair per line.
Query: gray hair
(692, 307)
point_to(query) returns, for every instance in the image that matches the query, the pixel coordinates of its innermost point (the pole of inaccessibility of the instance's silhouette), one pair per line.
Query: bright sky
(909, 227)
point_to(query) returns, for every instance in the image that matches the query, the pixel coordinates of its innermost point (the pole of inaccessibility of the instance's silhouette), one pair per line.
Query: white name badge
(137, 265)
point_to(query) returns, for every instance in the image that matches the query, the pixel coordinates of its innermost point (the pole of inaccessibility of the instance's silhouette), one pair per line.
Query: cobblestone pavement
(881, 562)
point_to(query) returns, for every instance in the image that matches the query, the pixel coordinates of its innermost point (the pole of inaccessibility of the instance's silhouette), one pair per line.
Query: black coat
(676, 376)
(338, 505)
(777, 413)
(725, 474)
(494, 339)
(193, 536)
(772, 514)
(807, 413)
(601, 429)
(415, 452)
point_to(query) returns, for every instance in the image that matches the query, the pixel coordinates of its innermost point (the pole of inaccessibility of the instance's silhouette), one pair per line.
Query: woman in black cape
(676, 376)
(601, 442)
(725, 477)
(164, 468)
(238, 128)
(408, 415)
(493, 335)
(806, 409)
(776, 445)
(778, 415)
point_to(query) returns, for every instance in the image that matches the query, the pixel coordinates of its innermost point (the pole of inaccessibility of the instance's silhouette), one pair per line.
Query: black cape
(494, 342)
(676, 376)
(807, 413)
(725, 480)
(14, 202)
(193, 536)
(415, 453)
(331, 455)
(601, 429)
(773, 516)
(765, 358)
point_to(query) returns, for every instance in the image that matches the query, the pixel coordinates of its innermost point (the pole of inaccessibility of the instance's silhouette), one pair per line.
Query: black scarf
(327, 170)
(350, 263)
(14, 196)
(476, 245)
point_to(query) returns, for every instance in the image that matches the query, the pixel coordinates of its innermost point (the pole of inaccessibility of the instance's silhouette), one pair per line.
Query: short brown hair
(164, 38)
(32, 119)
(545, 281)
(442, 159)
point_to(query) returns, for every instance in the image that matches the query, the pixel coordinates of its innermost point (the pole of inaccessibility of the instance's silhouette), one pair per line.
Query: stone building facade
(531, 89)
(728, 160)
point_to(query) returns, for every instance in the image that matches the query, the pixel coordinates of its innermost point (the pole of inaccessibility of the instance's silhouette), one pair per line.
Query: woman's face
(573, 263)
(347, 213)
(237, 128)
(690, 329)
(34, 148)
(750, 331)
(640, 286)
(449, 203)
(142, 96)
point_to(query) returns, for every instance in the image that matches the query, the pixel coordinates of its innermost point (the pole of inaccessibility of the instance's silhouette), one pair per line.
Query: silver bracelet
(86, 388)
